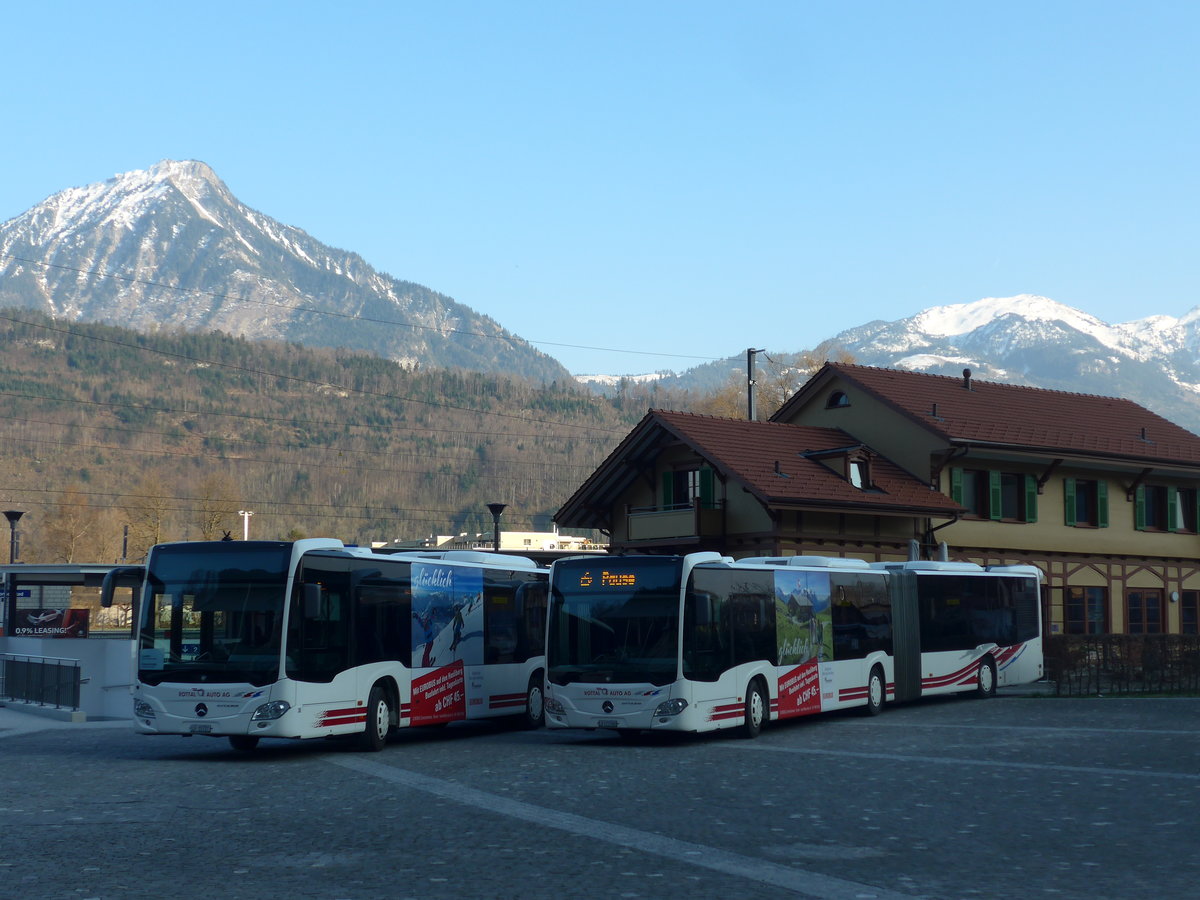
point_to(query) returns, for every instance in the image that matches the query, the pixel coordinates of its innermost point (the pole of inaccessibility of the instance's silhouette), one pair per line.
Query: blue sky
(681, 179)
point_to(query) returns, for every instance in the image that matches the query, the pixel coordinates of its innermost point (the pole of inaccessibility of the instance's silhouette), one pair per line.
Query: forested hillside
(169, 436)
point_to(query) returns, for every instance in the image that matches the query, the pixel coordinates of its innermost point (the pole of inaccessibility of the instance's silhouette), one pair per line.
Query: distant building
(542, 546)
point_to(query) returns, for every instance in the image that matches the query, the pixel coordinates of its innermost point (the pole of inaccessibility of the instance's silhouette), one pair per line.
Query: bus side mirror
(312, 600)
(120, 577)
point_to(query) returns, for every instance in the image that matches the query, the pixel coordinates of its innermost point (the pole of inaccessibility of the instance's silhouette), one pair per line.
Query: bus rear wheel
(876, 692)
(756, 710)
(379, 721)
(987, 678)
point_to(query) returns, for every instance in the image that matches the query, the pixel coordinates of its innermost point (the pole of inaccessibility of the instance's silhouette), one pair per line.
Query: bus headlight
(142, 709)
(671, 707)
(272, 710)
(553, 707)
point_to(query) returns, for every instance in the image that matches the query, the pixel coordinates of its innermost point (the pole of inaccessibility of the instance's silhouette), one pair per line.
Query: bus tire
(379, 720)
(243, 743)
(876, 692)
(535, 702)
(756, 710)
(986, 686)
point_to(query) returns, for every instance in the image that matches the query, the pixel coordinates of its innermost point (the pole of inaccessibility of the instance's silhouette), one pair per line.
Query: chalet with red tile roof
(1098, 492)
(682, 482)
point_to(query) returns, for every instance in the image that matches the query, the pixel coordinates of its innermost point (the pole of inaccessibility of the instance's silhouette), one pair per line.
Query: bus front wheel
(987, 678)
(756, 710)
(379, 720)
(535, 703)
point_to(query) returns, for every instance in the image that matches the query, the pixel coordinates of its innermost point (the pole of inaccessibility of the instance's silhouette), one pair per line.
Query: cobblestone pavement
(938, 799)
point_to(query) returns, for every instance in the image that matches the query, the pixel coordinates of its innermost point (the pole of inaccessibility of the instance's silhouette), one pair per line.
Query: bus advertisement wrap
(439, 696)
(447, 613)
(804, 619)
(800, 691)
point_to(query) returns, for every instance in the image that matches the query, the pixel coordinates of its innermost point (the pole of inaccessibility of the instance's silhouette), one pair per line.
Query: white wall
(106, 666)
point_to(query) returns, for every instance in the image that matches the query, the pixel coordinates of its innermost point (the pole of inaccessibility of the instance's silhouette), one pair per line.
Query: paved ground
(957, 798)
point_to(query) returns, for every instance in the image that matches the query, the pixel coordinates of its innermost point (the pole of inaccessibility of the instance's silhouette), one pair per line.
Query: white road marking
(803, 882)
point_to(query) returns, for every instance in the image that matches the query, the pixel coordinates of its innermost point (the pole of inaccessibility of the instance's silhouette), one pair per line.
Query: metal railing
(44, 680)
(1079, 665)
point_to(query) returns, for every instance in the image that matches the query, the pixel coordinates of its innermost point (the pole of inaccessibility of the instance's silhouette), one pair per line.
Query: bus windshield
(615, 621)
(213, 612)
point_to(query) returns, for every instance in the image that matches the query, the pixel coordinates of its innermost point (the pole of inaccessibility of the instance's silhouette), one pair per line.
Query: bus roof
(815, 562)
(495, 560)
(931, 565)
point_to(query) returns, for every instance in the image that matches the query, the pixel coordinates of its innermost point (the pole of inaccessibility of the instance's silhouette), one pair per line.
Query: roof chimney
(967, 379)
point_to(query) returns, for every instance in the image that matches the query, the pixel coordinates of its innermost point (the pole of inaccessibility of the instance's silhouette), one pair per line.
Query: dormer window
(837, 400)
(852, 463)
(859, 473)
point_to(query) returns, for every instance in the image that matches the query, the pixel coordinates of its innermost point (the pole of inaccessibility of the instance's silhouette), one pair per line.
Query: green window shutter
(1172, 507)
(1030, 498)
(956, 486)
(1139, 509)
(995, 496)
(1102, 504)
(706, 488)
(1069, 501)
(668, 489)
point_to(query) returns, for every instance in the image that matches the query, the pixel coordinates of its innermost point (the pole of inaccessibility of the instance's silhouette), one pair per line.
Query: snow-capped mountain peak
(963, 318)
(1030, 339)
(171, 245)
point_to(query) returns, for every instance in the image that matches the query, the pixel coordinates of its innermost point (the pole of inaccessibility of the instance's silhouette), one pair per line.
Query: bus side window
(531, 603)
(705, 651)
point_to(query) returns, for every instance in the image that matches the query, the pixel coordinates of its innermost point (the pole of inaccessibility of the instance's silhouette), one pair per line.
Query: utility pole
(751, 412)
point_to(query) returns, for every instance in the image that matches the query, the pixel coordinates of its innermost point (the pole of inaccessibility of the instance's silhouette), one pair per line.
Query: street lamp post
(245, 514)
(496, 509)
(13, 515)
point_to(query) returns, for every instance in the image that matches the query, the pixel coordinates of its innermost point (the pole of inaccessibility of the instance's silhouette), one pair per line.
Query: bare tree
(74, 531)
(217, 506)
(148, 514)
(778, 377)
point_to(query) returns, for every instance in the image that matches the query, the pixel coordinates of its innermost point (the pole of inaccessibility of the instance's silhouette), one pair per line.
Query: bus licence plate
(608, 723)
(197, 728)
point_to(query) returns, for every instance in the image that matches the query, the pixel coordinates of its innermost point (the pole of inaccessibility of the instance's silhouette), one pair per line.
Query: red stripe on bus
(494, 703)
(727, 711)
(329, 721)
(731, 714)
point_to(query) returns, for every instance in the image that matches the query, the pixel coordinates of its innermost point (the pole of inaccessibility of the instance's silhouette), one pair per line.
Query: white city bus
(700, 642)
(254, 639)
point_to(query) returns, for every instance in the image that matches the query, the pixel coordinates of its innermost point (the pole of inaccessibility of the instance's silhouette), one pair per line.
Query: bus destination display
(608, 579)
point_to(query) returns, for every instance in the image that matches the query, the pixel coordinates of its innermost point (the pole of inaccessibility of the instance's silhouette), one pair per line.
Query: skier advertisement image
(447, 634)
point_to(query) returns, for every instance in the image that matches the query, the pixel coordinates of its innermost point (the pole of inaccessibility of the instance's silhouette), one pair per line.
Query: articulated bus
(700, 642)
(254, 639)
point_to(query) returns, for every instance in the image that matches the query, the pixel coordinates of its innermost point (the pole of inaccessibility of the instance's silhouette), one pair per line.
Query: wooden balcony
(654, 523)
